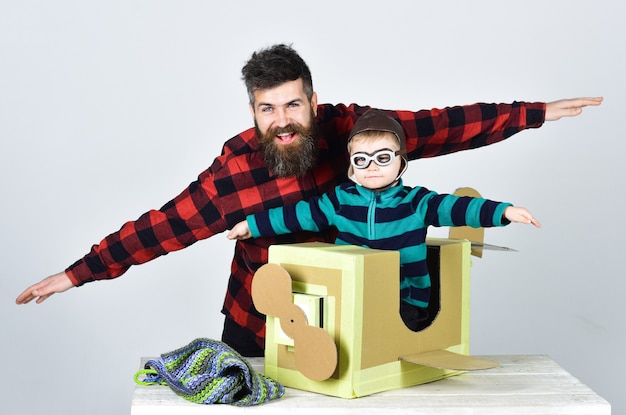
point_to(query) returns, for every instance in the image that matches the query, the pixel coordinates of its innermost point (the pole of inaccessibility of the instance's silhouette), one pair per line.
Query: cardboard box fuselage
(359, 308)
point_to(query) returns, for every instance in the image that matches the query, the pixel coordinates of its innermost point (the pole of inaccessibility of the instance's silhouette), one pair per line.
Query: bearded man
(297, 149)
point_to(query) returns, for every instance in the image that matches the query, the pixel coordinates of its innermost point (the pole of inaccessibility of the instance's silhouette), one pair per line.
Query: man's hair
(273, 66)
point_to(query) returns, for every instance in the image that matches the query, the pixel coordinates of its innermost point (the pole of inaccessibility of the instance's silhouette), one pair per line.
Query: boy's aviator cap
(376, 120)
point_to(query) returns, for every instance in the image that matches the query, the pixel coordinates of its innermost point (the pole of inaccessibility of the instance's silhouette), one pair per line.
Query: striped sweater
(394, 219)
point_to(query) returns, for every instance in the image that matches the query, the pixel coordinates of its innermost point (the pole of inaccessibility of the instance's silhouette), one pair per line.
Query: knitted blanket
(208, 371)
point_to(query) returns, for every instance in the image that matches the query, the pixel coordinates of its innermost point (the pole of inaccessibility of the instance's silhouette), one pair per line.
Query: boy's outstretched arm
(240, 231)
(520, 215)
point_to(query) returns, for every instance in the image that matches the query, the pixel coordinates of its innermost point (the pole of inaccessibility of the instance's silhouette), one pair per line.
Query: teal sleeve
(498, 214)
(252, 225)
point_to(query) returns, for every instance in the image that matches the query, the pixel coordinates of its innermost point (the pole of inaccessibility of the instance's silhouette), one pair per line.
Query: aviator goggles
(382, 158)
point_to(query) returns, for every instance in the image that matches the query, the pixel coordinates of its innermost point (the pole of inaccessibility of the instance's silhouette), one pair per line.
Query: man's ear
(314, 103)
(251, 107)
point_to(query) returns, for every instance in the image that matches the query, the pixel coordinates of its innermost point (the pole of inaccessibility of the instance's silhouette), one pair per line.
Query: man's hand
(556, 110)
(56, 283)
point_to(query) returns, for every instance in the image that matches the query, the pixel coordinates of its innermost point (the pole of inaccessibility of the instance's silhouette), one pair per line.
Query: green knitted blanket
(208, 371)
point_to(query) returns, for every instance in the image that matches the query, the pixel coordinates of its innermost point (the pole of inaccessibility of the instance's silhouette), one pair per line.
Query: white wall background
(108, 109)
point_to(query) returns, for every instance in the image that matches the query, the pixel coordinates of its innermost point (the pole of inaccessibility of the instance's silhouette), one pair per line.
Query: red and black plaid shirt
(238, 183)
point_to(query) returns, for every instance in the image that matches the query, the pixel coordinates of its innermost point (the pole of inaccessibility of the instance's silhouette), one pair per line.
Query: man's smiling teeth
(286, 137)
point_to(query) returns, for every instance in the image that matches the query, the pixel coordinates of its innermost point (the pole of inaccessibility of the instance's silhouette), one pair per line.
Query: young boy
(376, 211)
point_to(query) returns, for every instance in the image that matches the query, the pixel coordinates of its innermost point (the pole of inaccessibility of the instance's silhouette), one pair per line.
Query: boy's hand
(240, 231)
(520, 215)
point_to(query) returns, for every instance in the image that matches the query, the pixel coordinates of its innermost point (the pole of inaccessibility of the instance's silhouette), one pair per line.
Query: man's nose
(282, 118)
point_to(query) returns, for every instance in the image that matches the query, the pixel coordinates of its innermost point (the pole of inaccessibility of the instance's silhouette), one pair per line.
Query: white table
(521, 385)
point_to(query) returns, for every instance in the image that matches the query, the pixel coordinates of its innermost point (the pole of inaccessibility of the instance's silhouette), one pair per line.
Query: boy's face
(375, 176)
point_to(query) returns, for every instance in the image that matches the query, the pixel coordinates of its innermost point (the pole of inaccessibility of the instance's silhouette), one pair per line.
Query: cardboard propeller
(314, 349)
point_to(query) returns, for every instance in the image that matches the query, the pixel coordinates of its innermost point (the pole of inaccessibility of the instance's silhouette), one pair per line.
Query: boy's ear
(403, 166)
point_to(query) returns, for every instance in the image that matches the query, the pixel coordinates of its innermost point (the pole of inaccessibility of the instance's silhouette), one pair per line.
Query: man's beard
(295, 159)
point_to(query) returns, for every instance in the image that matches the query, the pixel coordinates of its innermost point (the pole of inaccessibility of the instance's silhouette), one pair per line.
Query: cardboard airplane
(333, 324)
